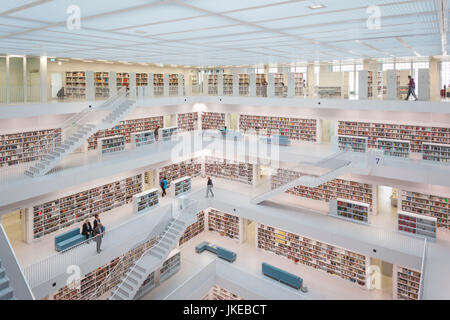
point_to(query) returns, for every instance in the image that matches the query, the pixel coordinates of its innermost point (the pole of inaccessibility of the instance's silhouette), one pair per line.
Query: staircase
(309, 180)
(156, 255)
(6, 292)
(79, 128)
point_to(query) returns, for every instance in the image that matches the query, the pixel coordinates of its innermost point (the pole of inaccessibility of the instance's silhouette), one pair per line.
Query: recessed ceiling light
(317, 6)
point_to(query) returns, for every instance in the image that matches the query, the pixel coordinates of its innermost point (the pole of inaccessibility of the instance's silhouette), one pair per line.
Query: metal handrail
(161, 236)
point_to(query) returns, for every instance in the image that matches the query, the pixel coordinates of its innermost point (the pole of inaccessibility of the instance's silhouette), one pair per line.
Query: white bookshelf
(194, 229)
(417, 225)
(394, 148)
(427, 205)
(225, 224)
(181, 186)
(145, 200)
(322, 256)
(63, 212)
(219, 293)
(112, 144)
(170, 266)
(436, 152)
(406, 283)
(229, 170)
(350, 210)
(143, 138)
(166, 134)
(352, 143)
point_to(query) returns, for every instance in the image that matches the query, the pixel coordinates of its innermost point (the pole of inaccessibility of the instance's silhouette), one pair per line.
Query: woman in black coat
(86, 230)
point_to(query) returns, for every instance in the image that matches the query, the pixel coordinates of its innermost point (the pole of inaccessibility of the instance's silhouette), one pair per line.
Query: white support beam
(442, 7)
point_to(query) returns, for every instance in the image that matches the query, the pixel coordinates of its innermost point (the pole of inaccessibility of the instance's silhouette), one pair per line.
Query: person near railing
(60, 93)
(411, 88)
(163, 185)
(155, 133)
(224, 132)
(86, 229)
(98, 234)
(97, 222)
(209, 187)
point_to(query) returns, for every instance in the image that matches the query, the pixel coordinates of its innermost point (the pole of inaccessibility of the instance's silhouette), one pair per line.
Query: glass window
(2, 79)
(445, 73)
(273, 70)
(403, 66)
(388, 66)
(347, 67)
(359, 67)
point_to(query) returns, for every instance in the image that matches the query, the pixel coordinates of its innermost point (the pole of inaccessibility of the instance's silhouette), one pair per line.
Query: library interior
(224, 150)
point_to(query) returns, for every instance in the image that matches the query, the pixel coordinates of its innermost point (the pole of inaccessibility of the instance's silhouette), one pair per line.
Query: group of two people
(97, 231)
(209, 185)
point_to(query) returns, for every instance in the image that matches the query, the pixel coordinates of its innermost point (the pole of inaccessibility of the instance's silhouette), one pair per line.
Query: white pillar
(43, 77)
(150, 86)
(291, 85)
(25, 84)
(363, 78)
(166, 84)
(90, 86)
(391, 85)
(112, 84)
(271, 85)
(235, 84)
(252, 83)
(220, 84)
(180, 85)
(423, 85)
(132, 85)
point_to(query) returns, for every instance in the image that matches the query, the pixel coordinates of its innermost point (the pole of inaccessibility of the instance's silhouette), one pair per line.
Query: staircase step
(137, 274)
(120, 296)
(29, 173)
(2, 272)
(167, 241)
(128, 285)
(140, 268)
(124, 291)
(4, 283)
(34, 170)
(154, 254)
(6, 294)
(179, 222)
(159, 251)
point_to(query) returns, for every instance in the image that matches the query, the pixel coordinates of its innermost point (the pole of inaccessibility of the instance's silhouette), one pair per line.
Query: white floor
(320, 284)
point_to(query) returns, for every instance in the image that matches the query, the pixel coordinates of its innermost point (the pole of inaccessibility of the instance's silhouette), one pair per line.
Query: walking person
(98, 234)
(86, 230)
(209, 186)
(155, 133)
(411, 88)
(163, 185)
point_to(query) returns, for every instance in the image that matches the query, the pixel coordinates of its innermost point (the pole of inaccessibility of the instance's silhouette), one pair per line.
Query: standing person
(163, 185)
(411, 88)
(98, 234)
(86, 230)
(209, 186)
(156, 133)
(97, 222)
(60, 93)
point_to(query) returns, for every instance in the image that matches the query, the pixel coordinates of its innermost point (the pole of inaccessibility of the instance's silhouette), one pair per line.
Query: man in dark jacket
(98, 234)
(411, 88)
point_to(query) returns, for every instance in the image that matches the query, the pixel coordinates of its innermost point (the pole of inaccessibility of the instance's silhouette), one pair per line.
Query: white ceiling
(224, 32)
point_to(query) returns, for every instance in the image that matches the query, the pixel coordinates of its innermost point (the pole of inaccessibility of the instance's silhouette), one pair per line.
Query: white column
(25, 84)
(235, 84)
(271, 85)
(205, 84)
(391, 85)
(374, 199)
(112, 84)
(27, 225)
(291, 85)
(166, 84)
(150, 86)
(132, 85)
(220, 84)
(252, 83)
(423, 85)
(363, 78)
(180, 85)
(43, 77)
(90, 86)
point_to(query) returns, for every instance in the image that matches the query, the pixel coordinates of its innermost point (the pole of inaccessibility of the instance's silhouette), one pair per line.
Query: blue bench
(223, 253)
(282, 276)
(68, 240)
